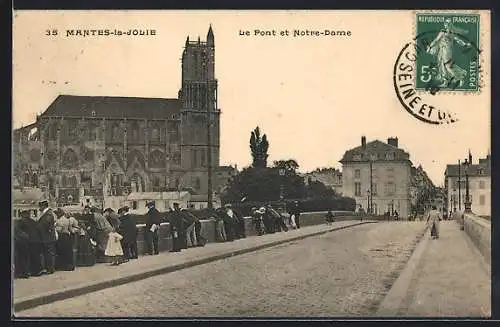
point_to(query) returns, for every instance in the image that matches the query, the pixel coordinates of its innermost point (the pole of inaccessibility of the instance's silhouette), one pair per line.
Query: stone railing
(478, 230)
(208, 228)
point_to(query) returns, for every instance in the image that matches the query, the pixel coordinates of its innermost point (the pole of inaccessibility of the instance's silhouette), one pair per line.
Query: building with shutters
(98, 146)
(378, 176)
(479, 176)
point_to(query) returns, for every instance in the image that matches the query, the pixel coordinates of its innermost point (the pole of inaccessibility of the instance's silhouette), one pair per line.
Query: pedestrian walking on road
(329, 217)
(433, 219)
(153, 221)
(47, 228)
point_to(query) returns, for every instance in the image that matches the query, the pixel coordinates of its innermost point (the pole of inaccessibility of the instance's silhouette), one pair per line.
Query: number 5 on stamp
(448, 52)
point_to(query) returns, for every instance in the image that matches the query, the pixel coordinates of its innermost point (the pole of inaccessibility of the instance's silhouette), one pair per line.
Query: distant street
(341, 273)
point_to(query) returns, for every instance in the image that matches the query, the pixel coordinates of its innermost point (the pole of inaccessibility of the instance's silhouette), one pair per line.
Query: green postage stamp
(448, 52)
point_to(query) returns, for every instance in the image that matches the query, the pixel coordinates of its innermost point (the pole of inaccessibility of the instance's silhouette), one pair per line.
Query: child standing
(114, 247)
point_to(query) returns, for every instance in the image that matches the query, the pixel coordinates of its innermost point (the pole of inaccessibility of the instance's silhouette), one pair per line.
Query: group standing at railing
(57, 241)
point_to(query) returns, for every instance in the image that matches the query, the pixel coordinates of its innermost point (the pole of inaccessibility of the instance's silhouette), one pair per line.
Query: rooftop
(112, 107)
(377, 151)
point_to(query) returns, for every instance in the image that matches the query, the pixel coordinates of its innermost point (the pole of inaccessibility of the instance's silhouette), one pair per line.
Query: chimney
(393, 141)
(363, 141)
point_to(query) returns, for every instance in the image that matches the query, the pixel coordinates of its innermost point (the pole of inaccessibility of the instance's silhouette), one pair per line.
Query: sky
(314, 96)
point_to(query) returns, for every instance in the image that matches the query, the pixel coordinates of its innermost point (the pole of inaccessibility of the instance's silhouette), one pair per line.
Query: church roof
(375, 148)
(113, 107)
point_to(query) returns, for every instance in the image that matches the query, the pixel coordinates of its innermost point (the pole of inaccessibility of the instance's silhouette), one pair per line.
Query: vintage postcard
(251, 164)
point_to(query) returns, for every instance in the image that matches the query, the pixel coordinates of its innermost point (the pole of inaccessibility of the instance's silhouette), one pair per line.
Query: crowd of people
(55, 240)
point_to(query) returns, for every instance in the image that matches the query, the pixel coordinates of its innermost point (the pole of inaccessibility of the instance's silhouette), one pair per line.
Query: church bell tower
(198, 96)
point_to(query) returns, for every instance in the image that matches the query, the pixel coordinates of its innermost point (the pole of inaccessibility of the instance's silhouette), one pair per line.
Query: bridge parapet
(478, 230)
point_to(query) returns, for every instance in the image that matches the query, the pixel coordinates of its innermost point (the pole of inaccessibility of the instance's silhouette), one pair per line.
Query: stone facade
(331, 177)
(387, 167)
(479, 186)
(111, 146)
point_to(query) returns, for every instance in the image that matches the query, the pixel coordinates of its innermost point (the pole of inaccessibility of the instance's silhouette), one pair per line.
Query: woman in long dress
(433, 218)
(442, 48)
(86, 255)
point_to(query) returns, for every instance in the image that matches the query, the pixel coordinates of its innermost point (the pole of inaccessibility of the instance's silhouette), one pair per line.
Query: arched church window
(27, 179)
(34, 180)
(52, 133)
(197, 183)
(134, 132)
(69, 159)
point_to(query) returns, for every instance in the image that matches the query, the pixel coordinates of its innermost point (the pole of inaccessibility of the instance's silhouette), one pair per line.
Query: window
(197, 183)
(482, 200)
(203, 162)
(194, 162)
(374, 189)
(482, 184)
(357, 157)
(357, 173)
(391, 188)
(357, 189)
(374, 209)
(134, 205)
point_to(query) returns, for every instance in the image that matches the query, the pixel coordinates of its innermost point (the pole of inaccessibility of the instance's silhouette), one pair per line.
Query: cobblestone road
(342, 273)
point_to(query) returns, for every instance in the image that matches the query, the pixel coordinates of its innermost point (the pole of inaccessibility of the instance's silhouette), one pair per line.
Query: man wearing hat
(47, 228)
(176, 227)
(295, 210)
(153, 221)
(21, 245)
(128, 229)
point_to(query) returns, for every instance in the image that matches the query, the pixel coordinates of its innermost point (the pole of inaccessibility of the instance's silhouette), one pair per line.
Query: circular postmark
(428, 66)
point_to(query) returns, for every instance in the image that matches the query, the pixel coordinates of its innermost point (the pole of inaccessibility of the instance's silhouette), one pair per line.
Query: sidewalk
(28, 293)
(447, 277)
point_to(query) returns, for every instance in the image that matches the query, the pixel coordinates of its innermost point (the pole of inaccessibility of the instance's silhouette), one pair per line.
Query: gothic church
(102, 146)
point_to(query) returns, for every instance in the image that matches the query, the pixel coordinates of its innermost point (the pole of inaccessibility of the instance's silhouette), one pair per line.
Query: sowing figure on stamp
(442, 48)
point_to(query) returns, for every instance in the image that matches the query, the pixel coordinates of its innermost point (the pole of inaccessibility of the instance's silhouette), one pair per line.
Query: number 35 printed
(50, 32)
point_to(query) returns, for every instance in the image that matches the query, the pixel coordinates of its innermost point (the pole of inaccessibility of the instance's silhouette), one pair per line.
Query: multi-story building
(423, 191)
(110, 146)
(331, 177)
(479, 176)
(378, 176)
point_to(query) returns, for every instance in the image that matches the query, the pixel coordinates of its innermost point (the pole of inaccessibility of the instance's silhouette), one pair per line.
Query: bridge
(351, 268)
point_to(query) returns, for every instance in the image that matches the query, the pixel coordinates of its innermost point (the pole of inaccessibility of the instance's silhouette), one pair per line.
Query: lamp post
(368, 206)
(282, 172)
(467, 203)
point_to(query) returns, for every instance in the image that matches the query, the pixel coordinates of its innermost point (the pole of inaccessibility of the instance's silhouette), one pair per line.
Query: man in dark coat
(295, 210)
(22, 246)
(46, 226)
(34, 244)
(128, 229)
(153, 221)
(175, 218)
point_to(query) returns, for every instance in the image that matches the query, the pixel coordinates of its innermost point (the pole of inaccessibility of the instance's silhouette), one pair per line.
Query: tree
(289, 165)
(258, 147)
